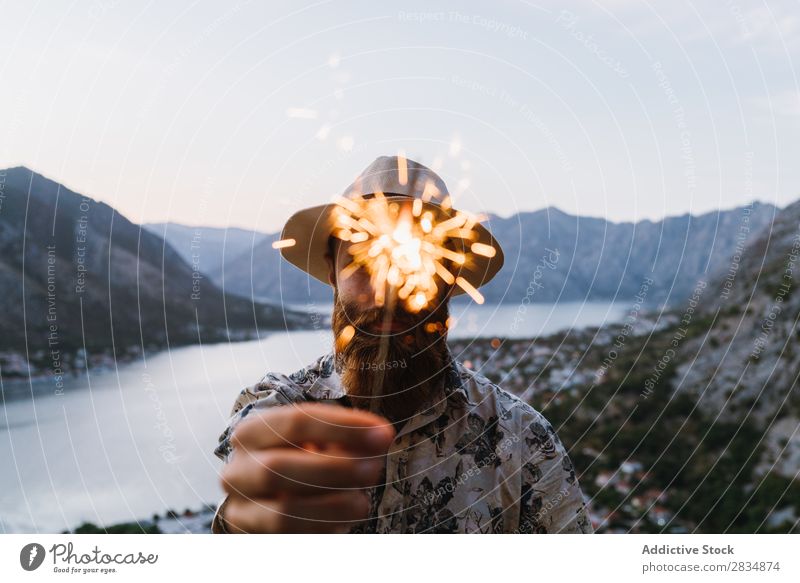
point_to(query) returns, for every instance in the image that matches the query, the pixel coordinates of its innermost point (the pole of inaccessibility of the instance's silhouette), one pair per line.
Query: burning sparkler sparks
(409, 244)
(405, 249)
(283, 243)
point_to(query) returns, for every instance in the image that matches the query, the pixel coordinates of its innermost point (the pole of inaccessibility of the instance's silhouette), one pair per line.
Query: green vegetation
(705, 468)
(124, 528)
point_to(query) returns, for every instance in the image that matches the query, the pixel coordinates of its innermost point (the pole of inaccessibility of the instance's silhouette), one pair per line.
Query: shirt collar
(324, 383)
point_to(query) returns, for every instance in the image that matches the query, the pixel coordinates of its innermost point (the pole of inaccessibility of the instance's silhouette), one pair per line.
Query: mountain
(599, 259)
(596, 259)
(207, 248)
(75, 274)
(743, 361)
(687, 419)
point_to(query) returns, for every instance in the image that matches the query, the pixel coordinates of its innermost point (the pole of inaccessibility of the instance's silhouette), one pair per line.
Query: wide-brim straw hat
(398, 179)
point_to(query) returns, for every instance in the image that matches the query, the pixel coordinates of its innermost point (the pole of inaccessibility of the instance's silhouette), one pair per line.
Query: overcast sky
(235, 114)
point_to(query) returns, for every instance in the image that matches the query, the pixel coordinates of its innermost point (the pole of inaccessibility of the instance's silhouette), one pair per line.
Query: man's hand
(303, 468)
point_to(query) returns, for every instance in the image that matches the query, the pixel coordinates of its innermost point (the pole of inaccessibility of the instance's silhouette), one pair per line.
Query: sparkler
(405, 247)
(410, 246)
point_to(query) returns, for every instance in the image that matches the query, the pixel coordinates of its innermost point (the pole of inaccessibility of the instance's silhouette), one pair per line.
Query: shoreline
(172, 522)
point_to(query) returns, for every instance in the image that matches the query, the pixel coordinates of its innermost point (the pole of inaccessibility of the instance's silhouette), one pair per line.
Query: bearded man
(389, 432)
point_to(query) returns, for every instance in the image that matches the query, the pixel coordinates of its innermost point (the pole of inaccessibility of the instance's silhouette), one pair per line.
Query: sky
(240, 113)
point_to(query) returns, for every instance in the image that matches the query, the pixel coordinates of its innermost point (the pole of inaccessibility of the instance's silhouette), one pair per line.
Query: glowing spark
(402, 169)
(431, 191)
(346, 143)
(323, 132)
(283, 243)
(345, 336)
(348, 204)
(367, 225)
(456, 221)
(447, 253)
(443, 273)
(467, 287)
(482, 249)
(466, 234)
(405, 248)
(349, 270)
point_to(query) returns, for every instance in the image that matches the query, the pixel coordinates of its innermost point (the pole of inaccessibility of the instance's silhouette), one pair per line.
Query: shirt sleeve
(217, 523)
(551, 499)
(269, 392)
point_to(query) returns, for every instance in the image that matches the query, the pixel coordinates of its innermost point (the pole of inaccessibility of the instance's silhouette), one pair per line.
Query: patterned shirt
(479, 460)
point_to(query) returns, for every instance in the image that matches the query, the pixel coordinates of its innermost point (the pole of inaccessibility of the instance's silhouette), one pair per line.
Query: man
(389, 432)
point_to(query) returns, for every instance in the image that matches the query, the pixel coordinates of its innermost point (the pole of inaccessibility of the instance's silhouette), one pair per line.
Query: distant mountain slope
(736, 350)
(749, 361)
(74, 272)
(206, 248)
(597, 259)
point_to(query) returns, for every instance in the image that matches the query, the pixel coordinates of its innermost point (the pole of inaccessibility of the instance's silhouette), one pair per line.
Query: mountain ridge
(601, 260)
(78, 276)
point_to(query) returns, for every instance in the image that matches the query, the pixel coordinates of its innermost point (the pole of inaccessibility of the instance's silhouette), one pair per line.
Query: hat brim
(311, 227)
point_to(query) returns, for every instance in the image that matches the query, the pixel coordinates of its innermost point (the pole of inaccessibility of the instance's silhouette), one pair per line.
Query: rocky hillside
(743, 362)
(75, 274)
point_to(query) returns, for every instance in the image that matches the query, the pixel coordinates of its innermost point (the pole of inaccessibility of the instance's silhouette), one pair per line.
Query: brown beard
(392, 374)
